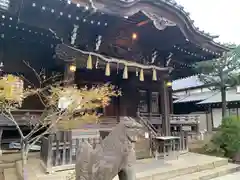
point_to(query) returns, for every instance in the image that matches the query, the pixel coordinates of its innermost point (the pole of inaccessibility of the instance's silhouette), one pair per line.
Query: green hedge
(226, 141)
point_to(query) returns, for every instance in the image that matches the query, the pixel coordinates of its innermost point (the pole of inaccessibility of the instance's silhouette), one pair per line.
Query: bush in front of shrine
(226, 141)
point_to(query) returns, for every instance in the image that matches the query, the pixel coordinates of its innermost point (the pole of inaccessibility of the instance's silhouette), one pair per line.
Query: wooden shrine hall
(139, 46)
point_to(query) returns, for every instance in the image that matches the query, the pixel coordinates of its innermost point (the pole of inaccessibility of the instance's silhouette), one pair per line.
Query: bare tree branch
(12, 119)
(79, 104)
(34, 71)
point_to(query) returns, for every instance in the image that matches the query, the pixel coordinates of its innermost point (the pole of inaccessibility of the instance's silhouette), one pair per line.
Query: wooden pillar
(165, 109)
(1, 132)
(118, 103)
(170, 100)
(149, 96)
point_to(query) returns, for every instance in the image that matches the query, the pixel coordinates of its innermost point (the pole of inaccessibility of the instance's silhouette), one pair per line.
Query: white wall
(217, 117)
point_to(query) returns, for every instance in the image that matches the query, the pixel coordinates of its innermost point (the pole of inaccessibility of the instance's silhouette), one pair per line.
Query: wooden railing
(184, 118)
(58, 151)
(145, 121)
(24, 117)
(179, 122)
(174, 118)
(183, 143)
(183, 140)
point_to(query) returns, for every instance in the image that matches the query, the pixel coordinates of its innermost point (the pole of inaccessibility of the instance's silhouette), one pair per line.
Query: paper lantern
(141, 78)
(89, 62)
(154, 75)
(107, 70)
(125, 72)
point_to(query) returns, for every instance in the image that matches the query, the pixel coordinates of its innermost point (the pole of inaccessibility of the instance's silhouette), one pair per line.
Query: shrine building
(140, 46)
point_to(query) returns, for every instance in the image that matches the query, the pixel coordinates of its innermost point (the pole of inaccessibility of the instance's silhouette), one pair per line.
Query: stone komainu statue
(114, 156)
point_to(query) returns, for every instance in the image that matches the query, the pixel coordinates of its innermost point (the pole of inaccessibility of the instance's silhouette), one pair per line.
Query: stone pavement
(235, 176)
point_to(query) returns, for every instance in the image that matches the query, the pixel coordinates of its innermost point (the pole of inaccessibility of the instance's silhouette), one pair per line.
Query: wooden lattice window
(143, 105)
(155, 102)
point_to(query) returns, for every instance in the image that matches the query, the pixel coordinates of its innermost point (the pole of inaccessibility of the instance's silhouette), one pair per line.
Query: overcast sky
(221, 17)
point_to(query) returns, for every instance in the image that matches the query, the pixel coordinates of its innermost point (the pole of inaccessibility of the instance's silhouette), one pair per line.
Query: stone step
(146, 169)
(150, 169)
(234, 176)
(10, 174)
(210, 173)
(179, 168)
(7, 165)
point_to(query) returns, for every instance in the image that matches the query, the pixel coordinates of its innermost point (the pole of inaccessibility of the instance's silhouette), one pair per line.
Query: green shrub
(212, 148)
(227, 139)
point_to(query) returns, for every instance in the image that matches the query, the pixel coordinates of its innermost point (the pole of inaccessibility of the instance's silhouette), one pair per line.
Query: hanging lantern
(169, 84)
(134, 36)
(72, 68)
(107, 70)
(89, 62)
(125, 72)
(141, 78)
(154, 75)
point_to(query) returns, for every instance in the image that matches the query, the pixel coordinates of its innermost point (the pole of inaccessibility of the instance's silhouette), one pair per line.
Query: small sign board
(186, 128)
(63, 103)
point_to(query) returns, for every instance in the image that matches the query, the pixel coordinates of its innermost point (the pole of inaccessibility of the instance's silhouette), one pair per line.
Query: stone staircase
(209, 173)
(203, 171)
(188, 167)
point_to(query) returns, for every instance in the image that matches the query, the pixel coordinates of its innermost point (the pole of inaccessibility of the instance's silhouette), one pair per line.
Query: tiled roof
(186, 83)
(231, 95)
(195, 97)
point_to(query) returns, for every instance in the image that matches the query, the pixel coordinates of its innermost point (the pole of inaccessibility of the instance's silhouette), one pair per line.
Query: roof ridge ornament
(92, 5)
(159, 22)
